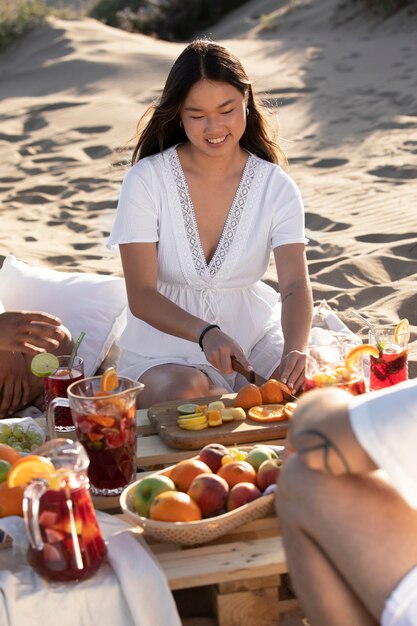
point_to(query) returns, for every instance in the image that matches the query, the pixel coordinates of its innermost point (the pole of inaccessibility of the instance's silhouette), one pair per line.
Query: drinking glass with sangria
(339, 365)
(390, 365)
(69, 370)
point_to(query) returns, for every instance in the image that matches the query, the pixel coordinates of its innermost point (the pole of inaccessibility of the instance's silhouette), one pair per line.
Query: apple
(147, 489)
(241, 494)
(212, 455)
(259, 454)
(210, 492)
(268, 473)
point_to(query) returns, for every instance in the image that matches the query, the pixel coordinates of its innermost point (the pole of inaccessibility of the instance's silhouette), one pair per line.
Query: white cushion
(92, 303)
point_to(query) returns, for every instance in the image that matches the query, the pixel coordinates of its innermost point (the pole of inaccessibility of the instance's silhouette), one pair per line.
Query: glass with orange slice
(104, 413)
(339, 365)
(390, 365)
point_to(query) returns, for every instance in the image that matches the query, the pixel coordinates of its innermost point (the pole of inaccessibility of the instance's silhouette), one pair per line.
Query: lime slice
(44, 364)
(186, 409)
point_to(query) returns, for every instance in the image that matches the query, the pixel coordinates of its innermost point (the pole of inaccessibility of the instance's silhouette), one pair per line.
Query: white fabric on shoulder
(385, 424)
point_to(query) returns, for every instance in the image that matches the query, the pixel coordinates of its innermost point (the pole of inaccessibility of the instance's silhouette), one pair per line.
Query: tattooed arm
(322, 436)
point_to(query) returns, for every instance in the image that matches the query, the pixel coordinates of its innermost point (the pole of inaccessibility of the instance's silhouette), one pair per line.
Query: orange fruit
(11, 500)
(9, 454)
(248, 396)
(271, 392)
(109, 380)
(29, 468)
(237, 472)
(268, 413)
(357, 352)
(184, 472)
(174, 506)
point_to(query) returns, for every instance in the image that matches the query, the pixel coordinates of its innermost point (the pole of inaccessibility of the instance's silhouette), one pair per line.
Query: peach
(241, 494)
(184, 472)
(210, 492)
(268, 473)
(212, 455)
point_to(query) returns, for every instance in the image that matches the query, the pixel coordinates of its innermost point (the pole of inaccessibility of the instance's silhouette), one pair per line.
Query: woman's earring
(247, 111)
(180, 122)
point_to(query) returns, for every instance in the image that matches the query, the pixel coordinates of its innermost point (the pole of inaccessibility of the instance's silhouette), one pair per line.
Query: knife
(257, 379)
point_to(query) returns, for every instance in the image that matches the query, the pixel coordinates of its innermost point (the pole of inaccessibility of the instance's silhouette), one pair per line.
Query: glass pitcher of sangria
(65, 542)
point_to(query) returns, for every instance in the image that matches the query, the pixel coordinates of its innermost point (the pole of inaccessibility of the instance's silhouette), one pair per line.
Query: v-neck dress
(267, 212)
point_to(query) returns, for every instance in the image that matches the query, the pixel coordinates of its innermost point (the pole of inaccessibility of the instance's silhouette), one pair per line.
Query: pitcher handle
(31, 499)
(50, 415)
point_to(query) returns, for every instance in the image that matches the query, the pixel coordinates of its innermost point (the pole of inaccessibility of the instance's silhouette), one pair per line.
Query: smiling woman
(201, 209)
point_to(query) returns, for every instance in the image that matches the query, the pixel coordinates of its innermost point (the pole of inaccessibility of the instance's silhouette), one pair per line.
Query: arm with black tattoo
(321, 434)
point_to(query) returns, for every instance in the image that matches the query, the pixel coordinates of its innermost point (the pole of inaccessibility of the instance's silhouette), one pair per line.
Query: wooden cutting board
(164, 417)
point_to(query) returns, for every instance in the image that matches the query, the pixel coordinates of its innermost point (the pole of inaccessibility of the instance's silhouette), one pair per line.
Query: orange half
(267, 413)
(109, 380)
(352, 357)
(29, 468)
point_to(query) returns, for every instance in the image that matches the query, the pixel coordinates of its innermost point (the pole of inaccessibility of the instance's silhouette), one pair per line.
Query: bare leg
(347, 540)
(175, 382)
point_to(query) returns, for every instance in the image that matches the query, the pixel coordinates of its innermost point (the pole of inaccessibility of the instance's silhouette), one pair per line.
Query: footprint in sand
(405, 172)
(412, 149)
(61, 260)
(83, 246)
(29, 239)
(384, 238)
(31, 198)
(50, 190)
(104, 204)
(317, 222)
(87, 130)
(325, 163)
(12, 138)
(34, 122)
(56, 106)
(97, 152)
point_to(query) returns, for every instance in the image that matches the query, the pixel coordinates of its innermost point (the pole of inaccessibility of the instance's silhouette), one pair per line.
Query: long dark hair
(203, 58)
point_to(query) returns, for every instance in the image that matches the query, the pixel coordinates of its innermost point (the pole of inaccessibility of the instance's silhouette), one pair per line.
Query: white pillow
(92, 303)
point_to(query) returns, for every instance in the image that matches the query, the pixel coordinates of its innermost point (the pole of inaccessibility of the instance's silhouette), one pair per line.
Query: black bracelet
(203, 332)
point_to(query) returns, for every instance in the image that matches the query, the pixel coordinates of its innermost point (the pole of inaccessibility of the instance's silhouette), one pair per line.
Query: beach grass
(19, 16)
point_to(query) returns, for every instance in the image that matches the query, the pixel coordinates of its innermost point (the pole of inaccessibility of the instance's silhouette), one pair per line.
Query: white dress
(155, 206)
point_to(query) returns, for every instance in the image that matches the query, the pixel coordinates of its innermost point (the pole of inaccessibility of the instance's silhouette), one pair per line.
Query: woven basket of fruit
(200, 499)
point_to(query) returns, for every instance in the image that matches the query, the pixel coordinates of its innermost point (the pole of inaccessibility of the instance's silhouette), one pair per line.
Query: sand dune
(344, 88)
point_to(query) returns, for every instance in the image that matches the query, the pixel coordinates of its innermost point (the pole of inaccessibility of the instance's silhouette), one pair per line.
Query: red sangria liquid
(56, 386)
(390, 368)
(73, 546)
(110, 442)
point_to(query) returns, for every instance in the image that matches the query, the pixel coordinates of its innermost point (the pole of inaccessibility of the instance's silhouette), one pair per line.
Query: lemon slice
(187, 409)
(402, 331)
(44, 364)
(109, 380)
(29, 468)
(352, 357)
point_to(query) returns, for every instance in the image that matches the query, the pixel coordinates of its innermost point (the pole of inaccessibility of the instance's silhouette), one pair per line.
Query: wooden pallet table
(241, 573)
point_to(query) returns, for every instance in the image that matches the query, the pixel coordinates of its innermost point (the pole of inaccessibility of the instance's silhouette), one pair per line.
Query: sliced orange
(109, 380)
(352, 357)
(103, 420)
(402, 332)
(267, 413)
(29, 468)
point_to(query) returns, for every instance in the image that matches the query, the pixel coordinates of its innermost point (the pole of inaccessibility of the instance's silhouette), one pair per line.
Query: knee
(294, 483)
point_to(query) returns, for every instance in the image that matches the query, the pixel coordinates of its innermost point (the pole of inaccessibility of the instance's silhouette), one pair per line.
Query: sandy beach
(341, 86)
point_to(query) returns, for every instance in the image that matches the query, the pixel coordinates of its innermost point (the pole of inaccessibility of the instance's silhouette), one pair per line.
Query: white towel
(129, 589)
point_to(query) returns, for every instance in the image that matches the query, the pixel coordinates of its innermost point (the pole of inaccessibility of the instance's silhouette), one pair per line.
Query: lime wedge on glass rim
(44, 364)
(187, 409)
